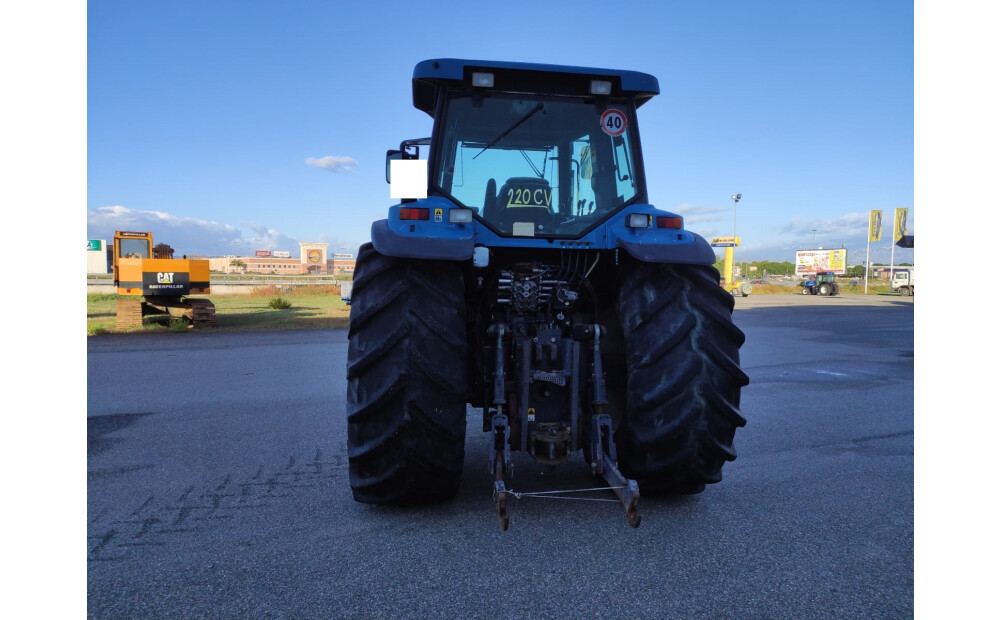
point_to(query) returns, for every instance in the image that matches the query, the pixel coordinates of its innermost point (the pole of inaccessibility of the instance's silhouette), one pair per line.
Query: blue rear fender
(439, 239)
(434, 238)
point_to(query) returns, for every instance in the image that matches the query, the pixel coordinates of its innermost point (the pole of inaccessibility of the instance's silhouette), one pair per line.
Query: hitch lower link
(499, 464)
(604, 455)
(605, 463)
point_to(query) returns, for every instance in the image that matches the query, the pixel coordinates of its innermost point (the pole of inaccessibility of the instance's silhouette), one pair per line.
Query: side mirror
(389, 156)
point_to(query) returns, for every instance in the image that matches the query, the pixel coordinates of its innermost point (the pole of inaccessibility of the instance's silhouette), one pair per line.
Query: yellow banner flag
(899, 229)
(875, 225)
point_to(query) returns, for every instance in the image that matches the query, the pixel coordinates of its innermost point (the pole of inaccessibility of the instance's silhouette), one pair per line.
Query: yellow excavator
(154, 283)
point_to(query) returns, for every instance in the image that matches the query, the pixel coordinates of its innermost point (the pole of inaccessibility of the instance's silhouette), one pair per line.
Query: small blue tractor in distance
(536, 282)
(822, 283)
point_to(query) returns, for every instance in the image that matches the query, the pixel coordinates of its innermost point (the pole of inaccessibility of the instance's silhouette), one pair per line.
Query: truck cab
(902, 282)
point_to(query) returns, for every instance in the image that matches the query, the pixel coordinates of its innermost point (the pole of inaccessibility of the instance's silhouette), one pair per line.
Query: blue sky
(201, 117)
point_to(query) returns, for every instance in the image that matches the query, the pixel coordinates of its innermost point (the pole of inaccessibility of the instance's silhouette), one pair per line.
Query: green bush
(279, 303)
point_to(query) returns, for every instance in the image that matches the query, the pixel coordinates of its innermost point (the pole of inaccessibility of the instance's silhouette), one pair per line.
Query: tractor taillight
(414, 213)
(663, 221)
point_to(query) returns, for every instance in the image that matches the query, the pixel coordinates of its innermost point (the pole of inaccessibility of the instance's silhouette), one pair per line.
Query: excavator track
(202, 313)
(128, 313)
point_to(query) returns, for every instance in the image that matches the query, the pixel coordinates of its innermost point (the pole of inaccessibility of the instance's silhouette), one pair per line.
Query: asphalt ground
(217, 487)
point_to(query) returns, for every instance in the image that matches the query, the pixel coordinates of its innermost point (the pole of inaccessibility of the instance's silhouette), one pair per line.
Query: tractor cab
(546, 165)
(553, 157)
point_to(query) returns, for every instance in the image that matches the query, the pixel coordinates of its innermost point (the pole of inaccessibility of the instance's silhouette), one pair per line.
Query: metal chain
(551, 494)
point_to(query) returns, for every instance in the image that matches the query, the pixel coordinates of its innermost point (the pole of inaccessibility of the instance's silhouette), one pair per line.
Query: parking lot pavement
(771, 301)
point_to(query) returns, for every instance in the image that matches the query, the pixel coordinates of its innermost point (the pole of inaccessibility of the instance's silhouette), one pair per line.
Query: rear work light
(414, 213)
(600, 87)
(637, 220)
(482, 80)
(663, 221)
(460, 216)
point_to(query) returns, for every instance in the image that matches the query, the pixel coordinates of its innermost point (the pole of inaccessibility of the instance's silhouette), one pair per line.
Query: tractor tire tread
(683, 386)
(407, 383)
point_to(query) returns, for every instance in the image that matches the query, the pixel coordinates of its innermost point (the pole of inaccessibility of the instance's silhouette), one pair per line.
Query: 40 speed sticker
(613, 122)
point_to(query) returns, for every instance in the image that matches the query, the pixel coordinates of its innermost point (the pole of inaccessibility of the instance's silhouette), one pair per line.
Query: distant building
(313, 259)
(98, 256)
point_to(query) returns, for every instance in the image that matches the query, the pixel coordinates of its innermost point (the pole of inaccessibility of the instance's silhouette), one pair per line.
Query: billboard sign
(808, 262)
(93, 245)
(262, 253)
(725, 242)
(279, 254)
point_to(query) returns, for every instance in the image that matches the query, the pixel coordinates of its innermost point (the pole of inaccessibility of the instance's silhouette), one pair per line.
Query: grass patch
(846, 288)
(315, 307)
(279, 303)
(312, 309)
(294, 291)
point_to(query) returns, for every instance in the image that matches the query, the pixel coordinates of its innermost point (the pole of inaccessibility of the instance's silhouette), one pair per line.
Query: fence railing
(253, 279)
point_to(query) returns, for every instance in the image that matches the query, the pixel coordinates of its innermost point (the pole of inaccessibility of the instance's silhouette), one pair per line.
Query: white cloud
(697, 214)
(333, 163)
(686, 209)
(188, 235)
(849, 225)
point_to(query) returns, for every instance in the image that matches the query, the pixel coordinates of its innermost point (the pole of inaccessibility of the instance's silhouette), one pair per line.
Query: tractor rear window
(537, 166)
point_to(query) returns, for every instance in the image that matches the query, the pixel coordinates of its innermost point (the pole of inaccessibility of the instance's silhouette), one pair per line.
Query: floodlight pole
(728, 266)
(736, 198)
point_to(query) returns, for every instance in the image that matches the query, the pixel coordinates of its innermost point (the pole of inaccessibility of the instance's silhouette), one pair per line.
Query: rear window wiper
(530, 113)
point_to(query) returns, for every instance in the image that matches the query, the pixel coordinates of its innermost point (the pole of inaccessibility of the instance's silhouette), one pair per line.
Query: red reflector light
(413, 213)
(668, 222)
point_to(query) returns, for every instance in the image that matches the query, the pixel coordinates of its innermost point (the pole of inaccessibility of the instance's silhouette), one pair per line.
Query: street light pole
(736, 198)
(728, 266)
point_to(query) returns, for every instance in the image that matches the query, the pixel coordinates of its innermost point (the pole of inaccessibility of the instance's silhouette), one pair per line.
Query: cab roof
(526, 77)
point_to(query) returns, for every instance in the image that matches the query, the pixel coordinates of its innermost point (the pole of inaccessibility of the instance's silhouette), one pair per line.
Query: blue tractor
(534, 281)
(820, 283)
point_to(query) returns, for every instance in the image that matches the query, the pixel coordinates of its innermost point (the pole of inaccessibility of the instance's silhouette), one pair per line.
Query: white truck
(902, 282)
(345, 291)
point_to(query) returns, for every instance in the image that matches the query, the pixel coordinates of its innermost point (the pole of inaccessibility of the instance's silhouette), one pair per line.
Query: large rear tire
(683, 378)
(406, 379)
